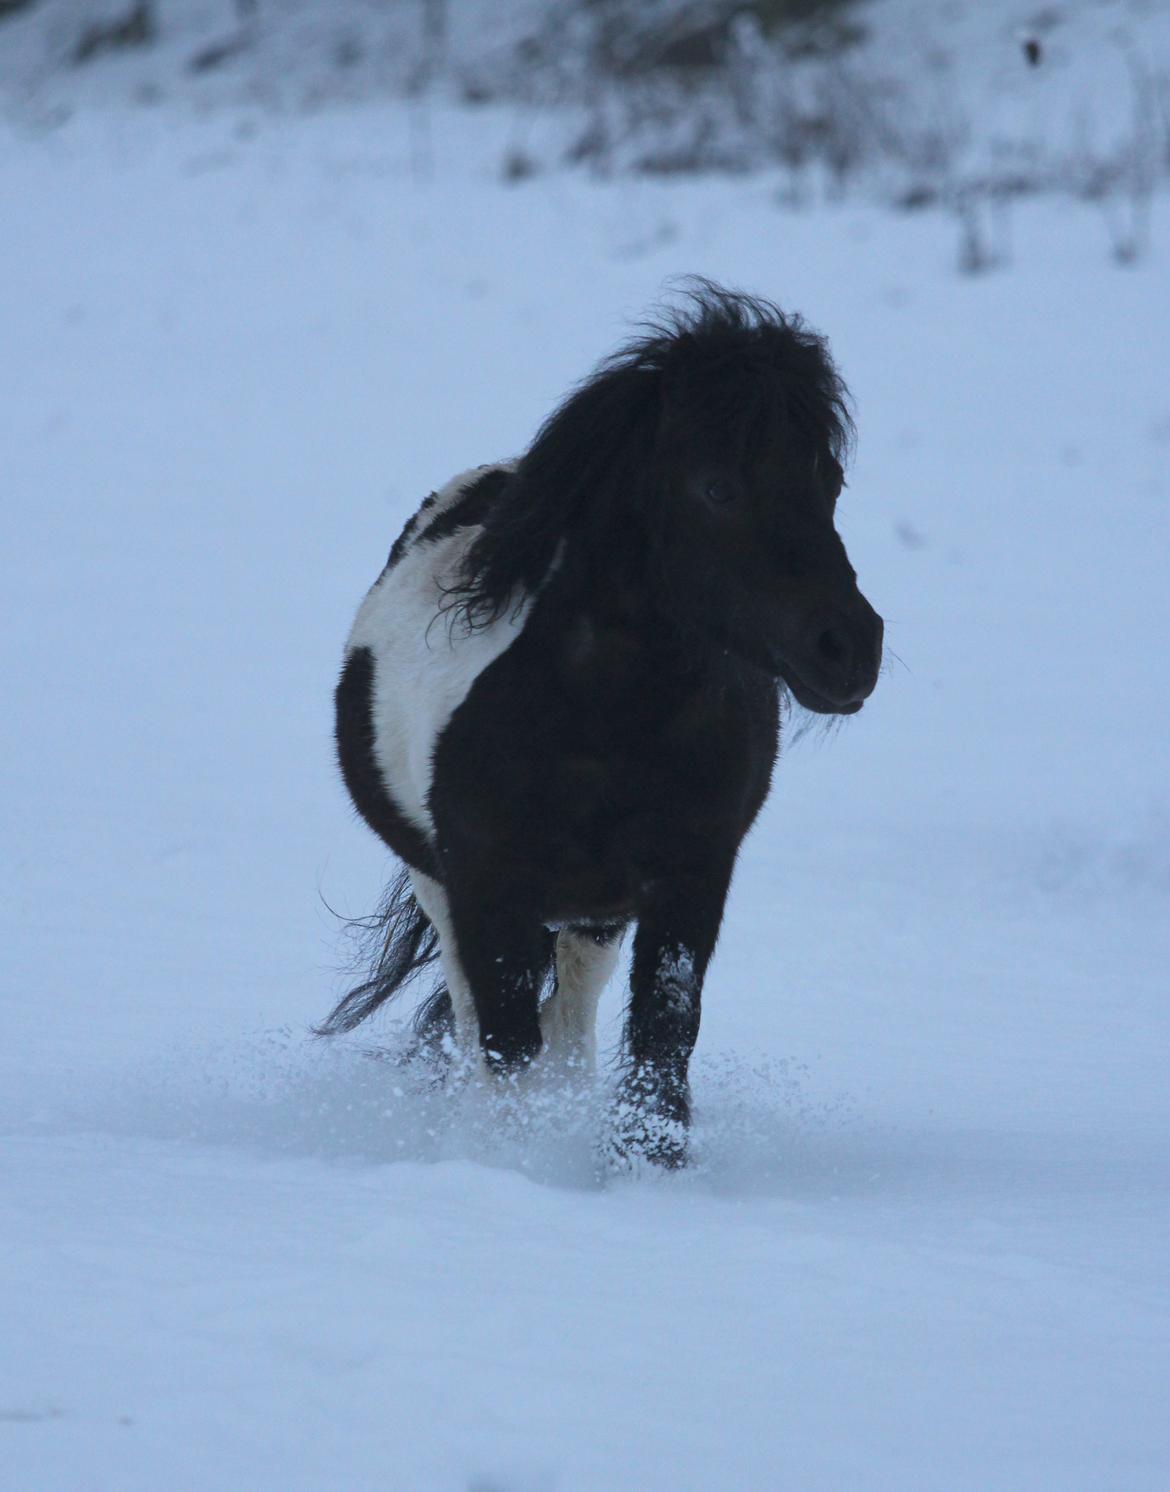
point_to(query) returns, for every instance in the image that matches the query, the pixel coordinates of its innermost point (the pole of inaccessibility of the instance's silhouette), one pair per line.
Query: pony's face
(750, 556)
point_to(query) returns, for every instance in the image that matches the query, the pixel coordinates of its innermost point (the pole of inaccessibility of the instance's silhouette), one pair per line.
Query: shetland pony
(560, 700)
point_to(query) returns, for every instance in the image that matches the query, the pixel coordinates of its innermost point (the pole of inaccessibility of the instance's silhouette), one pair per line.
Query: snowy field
(924, 1243)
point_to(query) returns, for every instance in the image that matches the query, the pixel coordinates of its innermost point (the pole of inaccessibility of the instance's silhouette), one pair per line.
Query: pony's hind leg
(568, 1020)
(433, 900)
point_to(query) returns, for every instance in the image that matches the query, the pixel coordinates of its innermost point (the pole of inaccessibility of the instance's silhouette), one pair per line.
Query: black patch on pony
(471, 507)
(354, 703)
(398, 548)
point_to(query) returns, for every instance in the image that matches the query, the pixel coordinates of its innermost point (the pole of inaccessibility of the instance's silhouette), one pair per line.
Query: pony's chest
(624, 734)
(603, 759)
(621, 813)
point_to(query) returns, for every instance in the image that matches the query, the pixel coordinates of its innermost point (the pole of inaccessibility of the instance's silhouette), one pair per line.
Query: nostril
(832, 646)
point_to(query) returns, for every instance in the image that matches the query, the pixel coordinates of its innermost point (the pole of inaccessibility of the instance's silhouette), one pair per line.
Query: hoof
(639, 1136)
(511, 1059)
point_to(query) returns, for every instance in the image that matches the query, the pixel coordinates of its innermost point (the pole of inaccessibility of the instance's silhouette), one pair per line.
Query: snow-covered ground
(925, 1240)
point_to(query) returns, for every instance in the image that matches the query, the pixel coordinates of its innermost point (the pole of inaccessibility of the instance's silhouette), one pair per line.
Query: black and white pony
(560, 700)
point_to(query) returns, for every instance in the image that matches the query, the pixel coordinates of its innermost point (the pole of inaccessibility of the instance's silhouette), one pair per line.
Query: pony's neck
(605, 591)
(609, 572)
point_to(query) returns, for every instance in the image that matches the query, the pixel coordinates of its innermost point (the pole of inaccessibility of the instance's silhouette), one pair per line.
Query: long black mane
(721, 360)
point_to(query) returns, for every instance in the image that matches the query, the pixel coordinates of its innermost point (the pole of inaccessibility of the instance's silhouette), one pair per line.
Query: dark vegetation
(673, 87)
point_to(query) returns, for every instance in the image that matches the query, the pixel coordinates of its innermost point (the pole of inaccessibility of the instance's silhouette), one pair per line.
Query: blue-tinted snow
(924, 1244)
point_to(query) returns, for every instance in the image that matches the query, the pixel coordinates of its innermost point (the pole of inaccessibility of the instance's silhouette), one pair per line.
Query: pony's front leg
(506, 958)
(673, 945)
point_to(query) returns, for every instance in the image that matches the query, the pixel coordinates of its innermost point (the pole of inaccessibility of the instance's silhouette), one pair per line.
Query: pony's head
(711, 448)
(752, 431)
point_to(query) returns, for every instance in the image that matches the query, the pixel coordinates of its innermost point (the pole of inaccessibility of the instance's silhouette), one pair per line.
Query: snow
(924, 1241)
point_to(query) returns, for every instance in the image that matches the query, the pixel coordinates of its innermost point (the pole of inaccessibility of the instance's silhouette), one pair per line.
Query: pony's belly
(424, 665)
(418, 686)
(611, 871)
(591, 896)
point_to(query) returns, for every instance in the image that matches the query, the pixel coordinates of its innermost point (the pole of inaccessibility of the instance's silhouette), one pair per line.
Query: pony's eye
(719, 491)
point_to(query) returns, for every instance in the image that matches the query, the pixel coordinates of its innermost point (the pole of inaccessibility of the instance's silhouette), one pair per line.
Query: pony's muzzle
(843, 652)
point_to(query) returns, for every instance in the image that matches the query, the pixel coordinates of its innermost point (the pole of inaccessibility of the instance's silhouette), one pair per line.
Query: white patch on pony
(568, 1019)
(423, 672)
(433, 900)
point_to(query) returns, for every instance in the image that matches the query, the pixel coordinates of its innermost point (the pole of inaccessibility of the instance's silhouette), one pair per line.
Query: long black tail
(397, 943)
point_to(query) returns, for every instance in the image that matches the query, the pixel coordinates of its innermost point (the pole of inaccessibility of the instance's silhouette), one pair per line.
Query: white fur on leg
(568, 1020)
(433, 900)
